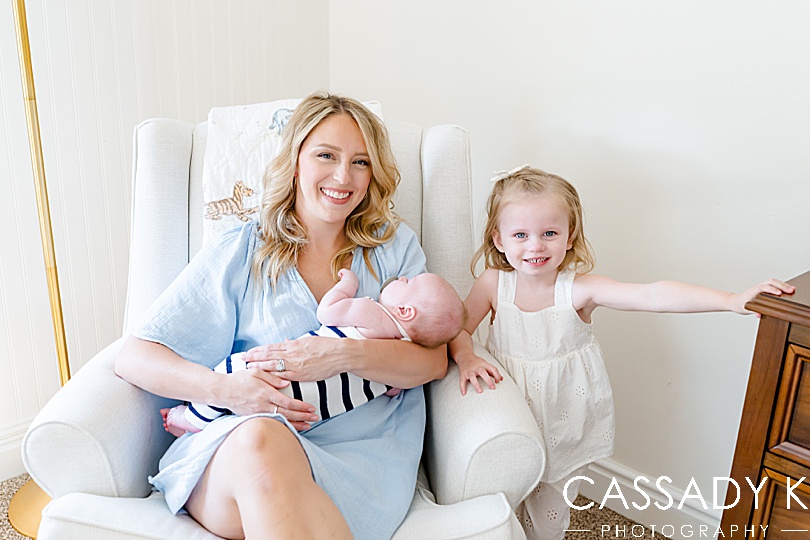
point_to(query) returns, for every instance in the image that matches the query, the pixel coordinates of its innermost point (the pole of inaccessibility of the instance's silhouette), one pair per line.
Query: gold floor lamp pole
(25, 508)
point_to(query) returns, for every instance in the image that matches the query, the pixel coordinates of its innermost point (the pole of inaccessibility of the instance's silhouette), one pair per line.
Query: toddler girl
(539, 296)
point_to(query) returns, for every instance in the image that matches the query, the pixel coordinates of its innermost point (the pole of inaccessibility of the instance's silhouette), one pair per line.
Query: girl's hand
(772, 286)
(256, 391)
(310, 358)
(473, 367)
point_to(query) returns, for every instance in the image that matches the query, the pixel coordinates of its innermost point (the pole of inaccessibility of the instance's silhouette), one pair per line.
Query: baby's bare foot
(175, 422)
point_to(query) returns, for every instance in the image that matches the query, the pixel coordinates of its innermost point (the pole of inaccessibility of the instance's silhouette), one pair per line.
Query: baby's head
(526, 183)
(427, 307)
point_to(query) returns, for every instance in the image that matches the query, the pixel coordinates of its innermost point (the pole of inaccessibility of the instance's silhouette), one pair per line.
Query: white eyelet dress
(554, 358)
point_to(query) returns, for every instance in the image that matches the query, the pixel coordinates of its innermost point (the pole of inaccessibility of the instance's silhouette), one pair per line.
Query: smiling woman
(333, 168)
(326, 207)
(313, 153)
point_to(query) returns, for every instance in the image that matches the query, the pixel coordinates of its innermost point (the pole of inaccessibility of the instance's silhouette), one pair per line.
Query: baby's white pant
(544, 514)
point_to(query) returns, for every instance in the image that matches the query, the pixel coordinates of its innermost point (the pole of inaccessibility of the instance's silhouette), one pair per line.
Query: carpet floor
(585, 524)
(7, 489)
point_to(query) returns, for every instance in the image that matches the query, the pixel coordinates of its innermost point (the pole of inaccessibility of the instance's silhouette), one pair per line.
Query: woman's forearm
(397, 363)
(394, 362)
(159, 370)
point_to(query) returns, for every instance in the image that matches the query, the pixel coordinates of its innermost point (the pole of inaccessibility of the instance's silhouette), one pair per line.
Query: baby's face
(412, 291)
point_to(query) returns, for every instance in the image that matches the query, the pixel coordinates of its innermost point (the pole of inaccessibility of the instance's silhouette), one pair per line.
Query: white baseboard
(11, 450)
(691, 518)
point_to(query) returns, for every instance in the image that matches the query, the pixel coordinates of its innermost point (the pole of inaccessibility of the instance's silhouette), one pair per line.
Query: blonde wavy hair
(531, 181)
(371, 224)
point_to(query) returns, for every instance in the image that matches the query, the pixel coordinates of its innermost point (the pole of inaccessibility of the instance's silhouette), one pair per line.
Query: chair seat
(81, 516)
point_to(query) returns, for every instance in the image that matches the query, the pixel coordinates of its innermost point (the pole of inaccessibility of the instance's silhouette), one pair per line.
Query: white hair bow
(500, 175)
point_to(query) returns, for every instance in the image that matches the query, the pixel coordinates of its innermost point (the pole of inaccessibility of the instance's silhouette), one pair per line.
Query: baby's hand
(347, 276)
(772, 286)
(473, 367)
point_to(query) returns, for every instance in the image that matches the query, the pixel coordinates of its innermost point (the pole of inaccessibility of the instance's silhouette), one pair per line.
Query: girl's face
(533, 233)
(333, 171)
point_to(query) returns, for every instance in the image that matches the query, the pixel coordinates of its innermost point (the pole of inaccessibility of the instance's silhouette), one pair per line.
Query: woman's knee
(259, 436)
(266, 450)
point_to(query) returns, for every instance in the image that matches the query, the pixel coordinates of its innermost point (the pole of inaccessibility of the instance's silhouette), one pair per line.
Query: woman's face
(333, 171)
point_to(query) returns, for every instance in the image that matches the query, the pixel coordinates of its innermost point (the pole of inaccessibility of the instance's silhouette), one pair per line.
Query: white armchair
(482, 452)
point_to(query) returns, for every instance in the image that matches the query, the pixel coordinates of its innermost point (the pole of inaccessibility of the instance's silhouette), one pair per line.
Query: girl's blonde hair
(531, 181)
(369, 225)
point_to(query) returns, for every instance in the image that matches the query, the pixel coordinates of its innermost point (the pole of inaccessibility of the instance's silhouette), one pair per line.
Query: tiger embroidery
(232, 206)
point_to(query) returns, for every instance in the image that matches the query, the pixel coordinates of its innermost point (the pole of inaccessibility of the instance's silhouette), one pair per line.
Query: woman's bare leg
(259, 485)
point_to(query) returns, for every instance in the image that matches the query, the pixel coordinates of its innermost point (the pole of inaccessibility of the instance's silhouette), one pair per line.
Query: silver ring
(280, 365)
(275, 411)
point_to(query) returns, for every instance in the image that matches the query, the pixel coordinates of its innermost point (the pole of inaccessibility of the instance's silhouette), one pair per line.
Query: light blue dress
(366, 459)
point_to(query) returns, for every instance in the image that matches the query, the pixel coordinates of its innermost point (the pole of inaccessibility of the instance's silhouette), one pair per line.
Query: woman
(326, 206)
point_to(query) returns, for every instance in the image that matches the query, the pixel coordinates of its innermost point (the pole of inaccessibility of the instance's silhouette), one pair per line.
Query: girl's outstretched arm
(480, 303)
(592, 291)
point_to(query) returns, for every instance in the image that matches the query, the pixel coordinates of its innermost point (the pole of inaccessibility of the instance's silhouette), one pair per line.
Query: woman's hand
(310, 358)
(256, 391)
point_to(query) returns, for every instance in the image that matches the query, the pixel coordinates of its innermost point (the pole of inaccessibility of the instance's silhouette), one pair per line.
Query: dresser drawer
(772, 517)
(790, 431)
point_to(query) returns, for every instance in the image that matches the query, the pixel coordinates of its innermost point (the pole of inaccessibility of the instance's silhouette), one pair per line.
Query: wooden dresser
(774, 437)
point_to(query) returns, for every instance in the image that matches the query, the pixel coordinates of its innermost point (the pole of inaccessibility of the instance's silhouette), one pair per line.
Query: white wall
(685, 128)
(28, 375)
(100, 68)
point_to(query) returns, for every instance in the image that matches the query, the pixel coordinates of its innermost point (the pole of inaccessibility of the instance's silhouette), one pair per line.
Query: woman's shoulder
(401, 230)
(402, 254)
(243, 236)
(403, 237)
(234, 246)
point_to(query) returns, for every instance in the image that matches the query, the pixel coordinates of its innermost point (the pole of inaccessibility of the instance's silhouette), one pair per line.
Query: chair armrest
(98, 434)
(481, 444)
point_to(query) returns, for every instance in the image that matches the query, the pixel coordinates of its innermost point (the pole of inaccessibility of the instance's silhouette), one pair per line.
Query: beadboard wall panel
(100, 68)
(28, 374)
